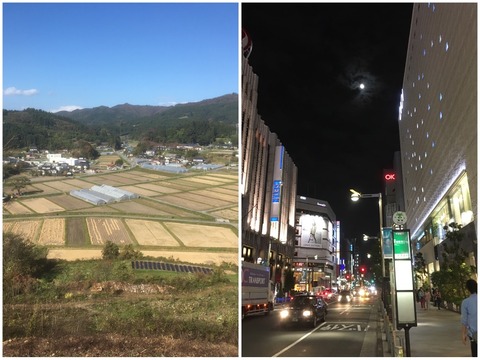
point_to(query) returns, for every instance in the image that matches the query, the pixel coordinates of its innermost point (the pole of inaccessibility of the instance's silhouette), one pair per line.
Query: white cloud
(67, 108)
(11, 91)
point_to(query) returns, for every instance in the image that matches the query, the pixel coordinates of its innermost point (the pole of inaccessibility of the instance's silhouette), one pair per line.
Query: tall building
(268, 188)
(316, 245)
(438, 126)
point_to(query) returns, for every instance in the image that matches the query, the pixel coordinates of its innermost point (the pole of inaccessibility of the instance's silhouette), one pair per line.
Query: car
(345, 296)
(304, 309)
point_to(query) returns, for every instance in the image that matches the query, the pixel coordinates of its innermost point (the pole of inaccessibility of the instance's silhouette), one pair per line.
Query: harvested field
(80, 184)
(209, 258)
(77, 234)
(230, 214)
(121, 179)
(185, 203)
(42, 206)
(63, 186)
(53, 232)
(213, 193)
(233, 187)
(74, 254)
(27, 228)
(179, 184)
(16, 208)
(211, 201)
(139, 190)
(148, 175)
(225, 191)
(167, 208)
(158, 188)
(106, 160)
(47, 190)
(203, 180)
(103, 230)
(203, 235)
(226, 177)
(150, 233)
(69, 202)
(97, 209)
(132, 207)
(107, 181)
(200, 257)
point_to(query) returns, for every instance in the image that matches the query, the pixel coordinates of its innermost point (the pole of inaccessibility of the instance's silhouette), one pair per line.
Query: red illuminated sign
(389, 177)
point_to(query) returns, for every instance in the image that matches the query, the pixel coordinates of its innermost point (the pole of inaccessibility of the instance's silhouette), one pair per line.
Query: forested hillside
(202, 122)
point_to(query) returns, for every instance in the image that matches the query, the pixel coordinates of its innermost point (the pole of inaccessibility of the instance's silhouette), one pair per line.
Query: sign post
(405, 304)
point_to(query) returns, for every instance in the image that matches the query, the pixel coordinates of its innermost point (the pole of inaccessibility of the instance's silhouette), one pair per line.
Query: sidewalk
(437, 334)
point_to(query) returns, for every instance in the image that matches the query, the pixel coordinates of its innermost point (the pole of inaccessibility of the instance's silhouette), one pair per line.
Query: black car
(345, 296)
(303, 309)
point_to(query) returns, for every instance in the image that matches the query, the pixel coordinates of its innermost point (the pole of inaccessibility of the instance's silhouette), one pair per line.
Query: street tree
(454, 268)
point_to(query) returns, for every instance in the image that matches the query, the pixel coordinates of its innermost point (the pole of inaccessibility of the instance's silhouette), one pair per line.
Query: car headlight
(284, 314)
(307, 313)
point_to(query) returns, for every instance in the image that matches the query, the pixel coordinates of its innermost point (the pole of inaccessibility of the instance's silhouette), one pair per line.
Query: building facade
(438, 126)
(317, 248)
(268, 189)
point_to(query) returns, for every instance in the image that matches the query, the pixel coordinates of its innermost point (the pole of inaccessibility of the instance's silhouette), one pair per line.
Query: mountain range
(197, 122)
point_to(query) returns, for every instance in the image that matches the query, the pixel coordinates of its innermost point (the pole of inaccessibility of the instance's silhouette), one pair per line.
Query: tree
(110, 251)
(19, 183)
(23, 263)
(420, 268)
(119, 162)
(454, 270)
(129, 253)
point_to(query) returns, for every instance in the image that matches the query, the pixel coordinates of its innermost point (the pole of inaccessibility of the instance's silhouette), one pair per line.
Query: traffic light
(362, 269)
(347, 276)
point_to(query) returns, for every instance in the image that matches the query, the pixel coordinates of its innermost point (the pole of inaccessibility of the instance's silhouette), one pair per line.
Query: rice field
(76, 229)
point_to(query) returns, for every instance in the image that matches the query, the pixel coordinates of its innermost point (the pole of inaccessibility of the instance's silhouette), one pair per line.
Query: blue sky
(83, 55)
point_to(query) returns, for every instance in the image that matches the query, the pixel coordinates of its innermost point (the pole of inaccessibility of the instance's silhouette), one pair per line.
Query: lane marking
(299, 340)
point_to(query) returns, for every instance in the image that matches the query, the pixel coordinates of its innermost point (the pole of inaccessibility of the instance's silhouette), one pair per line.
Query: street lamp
(357, 196)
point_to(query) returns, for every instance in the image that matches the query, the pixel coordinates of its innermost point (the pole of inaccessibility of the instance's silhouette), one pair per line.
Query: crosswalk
(343, 326)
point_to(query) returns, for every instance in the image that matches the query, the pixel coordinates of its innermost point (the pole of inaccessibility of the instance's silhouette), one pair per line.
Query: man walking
(469, 316)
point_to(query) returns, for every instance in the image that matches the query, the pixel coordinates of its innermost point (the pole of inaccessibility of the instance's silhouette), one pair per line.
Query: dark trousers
(473, 344)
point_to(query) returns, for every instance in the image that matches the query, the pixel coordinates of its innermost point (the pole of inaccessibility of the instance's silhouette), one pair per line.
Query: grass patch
(99, 298)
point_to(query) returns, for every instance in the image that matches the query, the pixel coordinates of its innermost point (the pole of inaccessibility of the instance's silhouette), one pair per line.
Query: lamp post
(357, 196)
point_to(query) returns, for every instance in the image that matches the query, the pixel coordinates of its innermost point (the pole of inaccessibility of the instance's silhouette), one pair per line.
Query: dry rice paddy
(164, 197)
(151, 233)
(42, 205)
(52, 232)
(106, 229)
(204, 235)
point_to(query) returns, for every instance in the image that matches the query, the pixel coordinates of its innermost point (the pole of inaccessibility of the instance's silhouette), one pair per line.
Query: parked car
(345, 296)
(304, 309)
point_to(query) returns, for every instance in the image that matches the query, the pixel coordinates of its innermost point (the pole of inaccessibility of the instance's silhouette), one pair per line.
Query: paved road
(345, 333)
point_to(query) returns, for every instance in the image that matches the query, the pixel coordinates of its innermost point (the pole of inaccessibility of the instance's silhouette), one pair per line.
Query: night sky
(311, 59)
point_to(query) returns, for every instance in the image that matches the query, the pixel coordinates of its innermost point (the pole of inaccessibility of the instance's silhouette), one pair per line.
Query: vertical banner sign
(404, 286)
(387, 238)
(276, 192)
